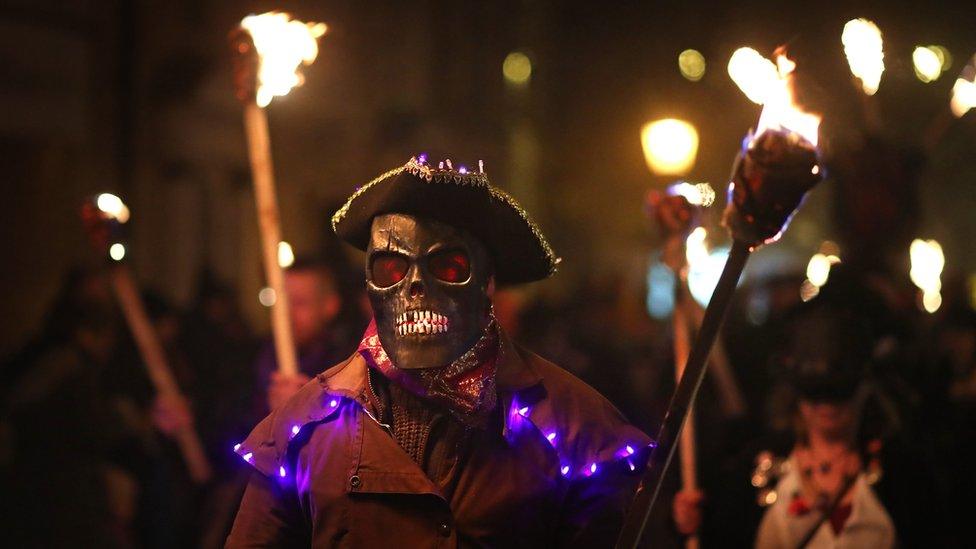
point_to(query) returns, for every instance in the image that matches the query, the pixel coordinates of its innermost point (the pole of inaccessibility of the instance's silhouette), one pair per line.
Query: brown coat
(558, 470)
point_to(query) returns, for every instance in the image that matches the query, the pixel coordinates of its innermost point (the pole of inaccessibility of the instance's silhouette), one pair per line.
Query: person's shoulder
(315, 403)
(582, 422)
(568, 392)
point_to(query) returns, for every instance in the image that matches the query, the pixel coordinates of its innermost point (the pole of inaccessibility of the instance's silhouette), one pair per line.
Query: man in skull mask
(440, 430)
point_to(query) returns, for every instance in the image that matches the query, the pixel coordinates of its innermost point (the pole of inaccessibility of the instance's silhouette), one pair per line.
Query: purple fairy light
(523, 411)
(629, 449)
(631, 465)
(295, 429)
(593, 468)
(333, 403)
(237, 446)
(281, 471)
(248, 457)
(564, 470)
(422, 159)
(551, 437)
(462, 170)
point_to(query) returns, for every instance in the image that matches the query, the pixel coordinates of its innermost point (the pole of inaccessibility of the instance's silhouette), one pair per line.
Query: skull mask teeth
(428, 287)
(421, 322)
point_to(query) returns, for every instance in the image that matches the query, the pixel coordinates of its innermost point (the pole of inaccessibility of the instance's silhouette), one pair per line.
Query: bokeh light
(704, 266)
(928, 65)
(927, 262)
(691, 63)
(267, 297)
(517, 68)
(964, 90)
(117, 251)
(286, 256)
(670, 146)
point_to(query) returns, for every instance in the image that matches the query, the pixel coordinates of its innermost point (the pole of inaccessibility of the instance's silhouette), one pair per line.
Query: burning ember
(863, 47)
(282, 44)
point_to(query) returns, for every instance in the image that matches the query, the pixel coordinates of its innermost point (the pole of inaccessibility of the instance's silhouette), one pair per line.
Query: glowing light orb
(116, 251)
(927, 262)
(928, 66)
(286, 255)
(517, 68)
(964, 90)
(670, 146)
(691, 63)
(267, 297)
(704, 266)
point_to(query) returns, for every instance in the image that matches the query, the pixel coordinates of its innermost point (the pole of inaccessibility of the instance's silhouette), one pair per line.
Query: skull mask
(428, 287)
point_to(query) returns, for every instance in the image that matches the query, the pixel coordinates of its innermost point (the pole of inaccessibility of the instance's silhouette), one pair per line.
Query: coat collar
(514, 376)
(348, 379)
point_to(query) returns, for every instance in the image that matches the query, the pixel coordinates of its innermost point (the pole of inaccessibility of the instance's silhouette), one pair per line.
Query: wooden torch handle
(157, 368)
(259, 152)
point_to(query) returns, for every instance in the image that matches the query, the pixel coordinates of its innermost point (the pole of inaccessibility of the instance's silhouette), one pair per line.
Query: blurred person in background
(844, 475)
(314, 306)
(57, 429)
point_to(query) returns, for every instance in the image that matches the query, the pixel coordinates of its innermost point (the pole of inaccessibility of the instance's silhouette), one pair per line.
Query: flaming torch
(777, 166)
(269, 50)
(864, 49)
(105, 219)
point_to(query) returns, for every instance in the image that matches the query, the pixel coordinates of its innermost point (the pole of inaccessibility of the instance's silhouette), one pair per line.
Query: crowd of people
(857, 404)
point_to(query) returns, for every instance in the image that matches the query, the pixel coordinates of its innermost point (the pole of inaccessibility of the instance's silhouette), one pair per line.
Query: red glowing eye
(387, 269)
(450, 265)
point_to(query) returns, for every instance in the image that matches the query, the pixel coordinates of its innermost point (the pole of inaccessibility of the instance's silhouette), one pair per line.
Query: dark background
(136, 98)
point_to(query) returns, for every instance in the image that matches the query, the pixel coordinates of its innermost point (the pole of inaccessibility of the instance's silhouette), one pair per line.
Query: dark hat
(829, 353)
(462, 199)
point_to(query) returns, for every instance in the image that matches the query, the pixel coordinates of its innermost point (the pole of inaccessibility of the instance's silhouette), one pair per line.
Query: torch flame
(283, 44)
(755, 75)
(781, 113)
(964, 90)
(864, 49)
(927, 262)
(112, 206)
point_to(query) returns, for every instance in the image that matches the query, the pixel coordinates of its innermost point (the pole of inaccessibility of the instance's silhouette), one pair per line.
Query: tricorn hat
(461, 198)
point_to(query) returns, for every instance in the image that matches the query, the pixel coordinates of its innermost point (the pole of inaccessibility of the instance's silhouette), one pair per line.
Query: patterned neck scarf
(466, 387)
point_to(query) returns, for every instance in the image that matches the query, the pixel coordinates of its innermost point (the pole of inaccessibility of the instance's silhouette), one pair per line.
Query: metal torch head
(770, 178)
